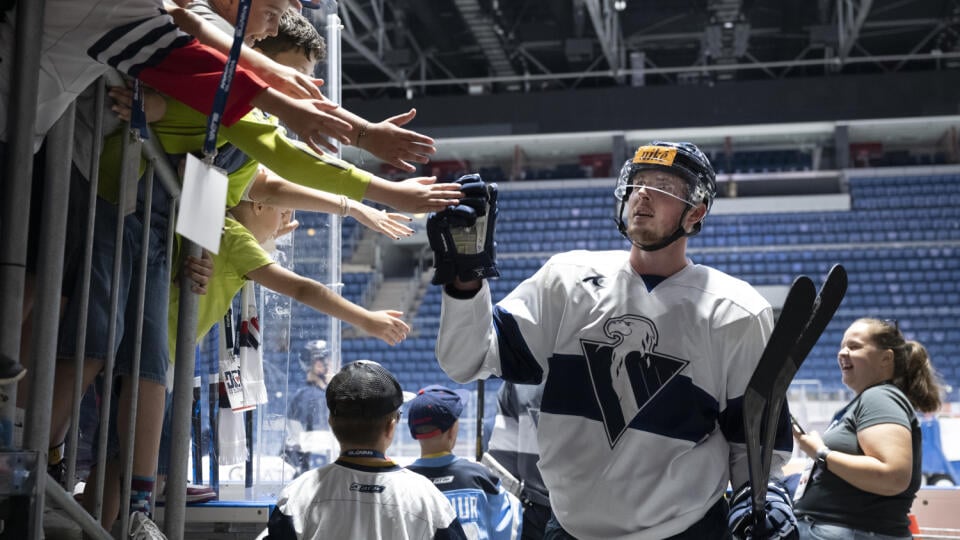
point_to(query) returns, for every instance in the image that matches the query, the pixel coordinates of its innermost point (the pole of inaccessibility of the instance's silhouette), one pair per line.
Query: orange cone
(914, 526)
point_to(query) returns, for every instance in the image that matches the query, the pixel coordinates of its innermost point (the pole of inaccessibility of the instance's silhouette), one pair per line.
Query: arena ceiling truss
(438, 47)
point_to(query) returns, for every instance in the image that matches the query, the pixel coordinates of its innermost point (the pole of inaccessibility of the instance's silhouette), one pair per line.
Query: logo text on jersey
(366, 488)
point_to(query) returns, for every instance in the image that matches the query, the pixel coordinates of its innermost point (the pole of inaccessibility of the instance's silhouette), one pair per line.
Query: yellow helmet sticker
(655, 155)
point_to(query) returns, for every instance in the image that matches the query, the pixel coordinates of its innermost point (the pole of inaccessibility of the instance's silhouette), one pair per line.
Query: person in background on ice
(866, 467)
(644, 356)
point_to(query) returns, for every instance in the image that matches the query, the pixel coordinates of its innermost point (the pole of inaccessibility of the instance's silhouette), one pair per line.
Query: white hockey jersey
(641, 423)
(346, 500)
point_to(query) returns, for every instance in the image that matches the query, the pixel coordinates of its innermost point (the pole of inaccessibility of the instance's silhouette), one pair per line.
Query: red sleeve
(191, 73)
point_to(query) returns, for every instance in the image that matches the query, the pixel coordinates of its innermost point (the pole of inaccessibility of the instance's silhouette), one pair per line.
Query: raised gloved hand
(779, 521)
(461, 237)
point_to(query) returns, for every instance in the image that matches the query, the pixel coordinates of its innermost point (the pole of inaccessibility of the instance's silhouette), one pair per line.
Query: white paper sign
(203, 202)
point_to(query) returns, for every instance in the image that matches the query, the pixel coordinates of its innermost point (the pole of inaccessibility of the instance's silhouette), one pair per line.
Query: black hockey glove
(461, 237)
(780, 523)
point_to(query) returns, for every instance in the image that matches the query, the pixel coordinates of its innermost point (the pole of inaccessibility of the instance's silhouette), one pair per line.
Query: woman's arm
(421, 194)
(885, 468)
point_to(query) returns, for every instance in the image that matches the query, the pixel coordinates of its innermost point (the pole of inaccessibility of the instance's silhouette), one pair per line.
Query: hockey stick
(793, 317)
(774, 390)
(480, 391)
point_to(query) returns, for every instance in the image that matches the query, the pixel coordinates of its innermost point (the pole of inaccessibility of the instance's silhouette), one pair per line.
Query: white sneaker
(143, 528)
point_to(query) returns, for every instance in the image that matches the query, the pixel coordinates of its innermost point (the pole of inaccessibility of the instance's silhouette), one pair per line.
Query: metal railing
(47, 299)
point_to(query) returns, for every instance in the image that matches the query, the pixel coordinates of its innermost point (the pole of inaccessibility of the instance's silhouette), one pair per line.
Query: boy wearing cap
(483, 506)
(364, 494)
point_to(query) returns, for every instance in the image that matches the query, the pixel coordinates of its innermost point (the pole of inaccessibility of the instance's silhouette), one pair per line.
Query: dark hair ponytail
(913, 372)
(916, 377)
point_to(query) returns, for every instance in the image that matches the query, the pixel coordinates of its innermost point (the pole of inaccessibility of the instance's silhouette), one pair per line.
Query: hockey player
(644, 356)
(307, 409)
(513, 444)
(364, 494)
(485, 509)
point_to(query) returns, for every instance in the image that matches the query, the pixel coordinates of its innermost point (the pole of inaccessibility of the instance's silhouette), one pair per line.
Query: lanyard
(223, 89)
(138, 119)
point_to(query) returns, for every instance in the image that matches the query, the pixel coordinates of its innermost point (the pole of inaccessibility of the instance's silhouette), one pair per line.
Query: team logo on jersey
(627, 373)
(366, 488)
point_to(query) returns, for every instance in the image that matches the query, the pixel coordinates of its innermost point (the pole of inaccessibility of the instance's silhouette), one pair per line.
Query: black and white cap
(363, 389)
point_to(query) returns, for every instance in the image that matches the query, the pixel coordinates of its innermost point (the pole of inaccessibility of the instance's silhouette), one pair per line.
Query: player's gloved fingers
(469, 178)
(461, 216)
(474, 189)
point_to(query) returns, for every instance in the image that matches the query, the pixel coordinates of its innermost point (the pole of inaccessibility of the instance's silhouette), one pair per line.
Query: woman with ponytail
(867, 462)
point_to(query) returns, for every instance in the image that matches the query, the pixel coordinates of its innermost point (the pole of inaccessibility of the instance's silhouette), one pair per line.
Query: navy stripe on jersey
(516, 361)
(111, 37)
(147, 38)
(127, 47)
(160, 55)
(679, 410)
(731, 423)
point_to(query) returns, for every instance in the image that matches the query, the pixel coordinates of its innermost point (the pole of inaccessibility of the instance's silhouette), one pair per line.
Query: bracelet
(344, 206)
(362, 131)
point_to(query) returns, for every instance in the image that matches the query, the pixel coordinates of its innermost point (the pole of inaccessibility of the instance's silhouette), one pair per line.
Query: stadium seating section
(900, 243)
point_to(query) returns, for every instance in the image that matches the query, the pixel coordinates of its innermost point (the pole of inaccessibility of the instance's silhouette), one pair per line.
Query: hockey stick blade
(825, 305)
(793, 318)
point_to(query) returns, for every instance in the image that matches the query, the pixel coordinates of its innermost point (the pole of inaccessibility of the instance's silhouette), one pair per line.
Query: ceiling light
(620, 5)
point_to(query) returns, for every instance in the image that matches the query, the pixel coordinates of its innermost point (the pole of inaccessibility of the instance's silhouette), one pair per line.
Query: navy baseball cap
(363, 389)
(434, 411)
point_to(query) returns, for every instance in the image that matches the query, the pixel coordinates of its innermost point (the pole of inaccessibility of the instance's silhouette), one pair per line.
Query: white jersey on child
(641, 418)
(343, 500)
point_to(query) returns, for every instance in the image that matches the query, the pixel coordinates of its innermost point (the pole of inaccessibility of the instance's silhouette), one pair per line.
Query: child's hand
(396, 145)
(381, 221)
(199, 271)
(423, 194)
(287, 228)
(154, 106)
(386, 325)
(309, 119)
(292, 83)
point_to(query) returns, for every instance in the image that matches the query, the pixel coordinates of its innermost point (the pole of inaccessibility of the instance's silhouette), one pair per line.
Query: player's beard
(645, 232)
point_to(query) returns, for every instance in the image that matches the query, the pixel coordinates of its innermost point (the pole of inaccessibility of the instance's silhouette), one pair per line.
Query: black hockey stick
(769, 384)
(793, 317)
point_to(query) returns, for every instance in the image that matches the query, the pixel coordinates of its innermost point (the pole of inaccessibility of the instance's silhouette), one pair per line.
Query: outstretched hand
(292, 83)
(310, 119)
(397, 146)
(423, 194)
(387, 223)
(387, 326)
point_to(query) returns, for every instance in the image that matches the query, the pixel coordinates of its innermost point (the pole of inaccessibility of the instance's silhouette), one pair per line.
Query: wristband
(822, 455)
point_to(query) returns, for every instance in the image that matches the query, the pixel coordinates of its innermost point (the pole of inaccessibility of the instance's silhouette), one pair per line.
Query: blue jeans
(154, 350)
(818, 530)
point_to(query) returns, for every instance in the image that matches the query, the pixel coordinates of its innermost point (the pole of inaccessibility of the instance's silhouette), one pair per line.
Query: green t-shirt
(257, 134)
(830, 499)
(240, 253)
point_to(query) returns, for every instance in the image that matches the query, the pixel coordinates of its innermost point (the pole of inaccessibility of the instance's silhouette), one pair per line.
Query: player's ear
(695, 216)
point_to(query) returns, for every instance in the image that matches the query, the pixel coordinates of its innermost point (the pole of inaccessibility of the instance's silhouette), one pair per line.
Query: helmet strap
(666, 241)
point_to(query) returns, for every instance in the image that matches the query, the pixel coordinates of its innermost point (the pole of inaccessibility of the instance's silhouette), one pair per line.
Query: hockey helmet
(683, 159)
(314, 350)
